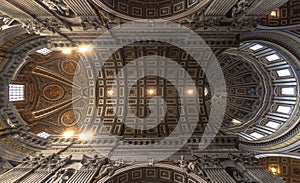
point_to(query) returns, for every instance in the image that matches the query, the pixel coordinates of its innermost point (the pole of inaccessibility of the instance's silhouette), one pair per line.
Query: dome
(143, 9)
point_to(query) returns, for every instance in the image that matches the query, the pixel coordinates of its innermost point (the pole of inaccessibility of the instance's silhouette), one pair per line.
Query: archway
(143, 173)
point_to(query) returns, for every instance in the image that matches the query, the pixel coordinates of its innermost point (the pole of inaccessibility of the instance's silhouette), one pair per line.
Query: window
(288, 91)
(257, 135)
(205, 91)
(43, 135)
(246, 136)
(273, 57)
(256, 47)
(284, 109)
(284, 72)
(236, 122)
(273, 125)
(16, 92)
(43, 51)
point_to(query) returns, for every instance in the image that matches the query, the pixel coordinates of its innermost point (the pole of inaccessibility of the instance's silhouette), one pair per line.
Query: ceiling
(66, 92)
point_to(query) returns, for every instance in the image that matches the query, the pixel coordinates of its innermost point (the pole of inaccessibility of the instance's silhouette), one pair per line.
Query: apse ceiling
(245, 89)
(48, 81)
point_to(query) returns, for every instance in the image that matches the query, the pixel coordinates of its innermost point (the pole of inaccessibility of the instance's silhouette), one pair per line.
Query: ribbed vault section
(15, 137)
(245, 89)
(143, 90)
(144, 9)
(273, 90)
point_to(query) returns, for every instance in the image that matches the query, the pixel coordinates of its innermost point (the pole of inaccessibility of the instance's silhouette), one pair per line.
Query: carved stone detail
(249, 23)
(194, 166)
(240, 7)
(59, 7)
(46, 25)
(239, 178)
(4, 165)
(93, 22)
(110, 168)
(244, 158)
(7, 22)
(32, 26)
(213, 22)
(208, 161)
(89, 162)
(190, 165)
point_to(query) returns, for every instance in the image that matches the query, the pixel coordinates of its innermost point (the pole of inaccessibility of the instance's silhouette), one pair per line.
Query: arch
(284, 46)
(160, 171)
